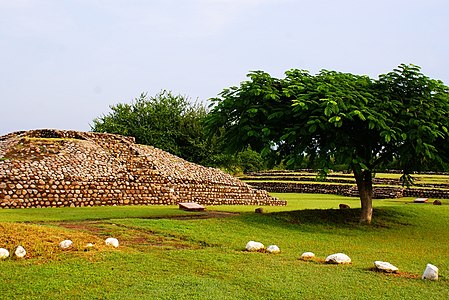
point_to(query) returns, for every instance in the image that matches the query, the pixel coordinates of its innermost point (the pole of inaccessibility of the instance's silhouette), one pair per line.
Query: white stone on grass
(430, 273)
(307, 255)
(385, 267)
(66, 244)
(111, 242)
(254, 246)
(273, 249)
(20, 252)
(338, 258)
(88, 247)
(3, 253)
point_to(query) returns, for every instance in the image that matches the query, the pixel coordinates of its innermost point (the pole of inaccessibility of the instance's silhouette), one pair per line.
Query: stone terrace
(56, 168)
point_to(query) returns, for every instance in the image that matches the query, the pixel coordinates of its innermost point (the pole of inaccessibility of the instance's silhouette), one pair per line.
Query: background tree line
(175, 124)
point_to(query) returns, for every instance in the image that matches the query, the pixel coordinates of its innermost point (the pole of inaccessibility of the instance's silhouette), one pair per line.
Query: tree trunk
(364, 181)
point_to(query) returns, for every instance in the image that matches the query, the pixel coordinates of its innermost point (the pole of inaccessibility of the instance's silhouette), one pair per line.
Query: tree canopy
(165, 121)
(339, 118)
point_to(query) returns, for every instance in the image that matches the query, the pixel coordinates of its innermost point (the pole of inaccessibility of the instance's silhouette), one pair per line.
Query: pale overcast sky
(63, 62)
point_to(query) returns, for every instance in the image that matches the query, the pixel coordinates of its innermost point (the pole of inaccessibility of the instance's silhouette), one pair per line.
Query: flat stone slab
(191, 206)
(421, 200)
(307, 255)
(254, 246)
(385, 267)
(338, 258)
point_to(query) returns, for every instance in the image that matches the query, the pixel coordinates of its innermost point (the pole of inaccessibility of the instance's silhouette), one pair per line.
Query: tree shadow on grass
(334, 218)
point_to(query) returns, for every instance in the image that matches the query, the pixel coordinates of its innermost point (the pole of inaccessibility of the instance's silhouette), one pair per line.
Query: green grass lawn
(164, 257)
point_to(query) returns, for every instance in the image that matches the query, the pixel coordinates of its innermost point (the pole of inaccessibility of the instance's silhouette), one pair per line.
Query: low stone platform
(421, 200)
(191, 206)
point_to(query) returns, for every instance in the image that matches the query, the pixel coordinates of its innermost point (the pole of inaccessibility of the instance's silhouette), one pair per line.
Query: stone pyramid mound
(55, 168)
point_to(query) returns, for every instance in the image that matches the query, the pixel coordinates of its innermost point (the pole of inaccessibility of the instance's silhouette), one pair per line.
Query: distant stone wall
(56, 168)
(264, 173)
(329, 179)
(349, 190)
(426, 193)
(341, 189)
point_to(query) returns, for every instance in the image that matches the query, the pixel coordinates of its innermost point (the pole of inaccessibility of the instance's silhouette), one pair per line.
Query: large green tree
(339, 118)
(166, 121)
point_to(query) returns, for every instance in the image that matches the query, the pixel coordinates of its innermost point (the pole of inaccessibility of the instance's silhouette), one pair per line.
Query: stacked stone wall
(349, 190)
(343, 190)
(426, 193)
(55, 168)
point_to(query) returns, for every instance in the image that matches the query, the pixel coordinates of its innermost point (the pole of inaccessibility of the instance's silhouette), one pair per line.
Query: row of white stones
(256, 246)
(430, 273)
(19, 253)
(66, 244)
(109, 241)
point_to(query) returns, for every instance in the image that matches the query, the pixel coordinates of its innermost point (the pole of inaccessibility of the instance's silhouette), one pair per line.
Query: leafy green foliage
(417, 131)
(242, 162)
(250, 161)
(251, 114)
(165, 121)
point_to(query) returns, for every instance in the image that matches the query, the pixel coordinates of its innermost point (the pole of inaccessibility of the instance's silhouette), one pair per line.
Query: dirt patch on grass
(203, 215)
(82, 226)
(407, 275)
(396, 274)
(315, 259)
(42, 242)
(131, 237)
(144, 239)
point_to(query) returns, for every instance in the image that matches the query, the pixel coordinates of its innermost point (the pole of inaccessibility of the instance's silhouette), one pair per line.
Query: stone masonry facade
(60, 168)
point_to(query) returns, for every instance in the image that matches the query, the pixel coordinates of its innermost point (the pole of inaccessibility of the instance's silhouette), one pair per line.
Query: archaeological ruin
(57, 168)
